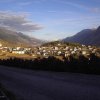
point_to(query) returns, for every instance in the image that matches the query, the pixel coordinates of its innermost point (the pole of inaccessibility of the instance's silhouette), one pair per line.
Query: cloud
(95, 10)
(76, 5)
(52, 11)
(70, 22)
(25, 3)
(17, 22)
(80, 5)
(6, 1)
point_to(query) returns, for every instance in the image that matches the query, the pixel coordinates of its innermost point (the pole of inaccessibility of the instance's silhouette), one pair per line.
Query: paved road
(40, 85)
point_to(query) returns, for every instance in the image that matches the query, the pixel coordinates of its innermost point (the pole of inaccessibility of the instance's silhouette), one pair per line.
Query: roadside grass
(4, 56)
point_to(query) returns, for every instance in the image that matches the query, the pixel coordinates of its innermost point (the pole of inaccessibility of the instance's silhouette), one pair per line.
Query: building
(18, 52)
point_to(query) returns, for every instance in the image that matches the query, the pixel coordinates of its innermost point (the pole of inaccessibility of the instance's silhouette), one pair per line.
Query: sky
(49, 19)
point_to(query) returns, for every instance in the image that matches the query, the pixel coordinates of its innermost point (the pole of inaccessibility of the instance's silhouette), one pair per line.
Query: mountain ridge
(86, 36)
(8, 37)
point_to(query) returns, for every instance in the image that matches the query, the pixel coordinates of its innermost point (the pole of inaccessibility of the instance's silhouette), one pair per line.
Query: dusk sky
(49, 19)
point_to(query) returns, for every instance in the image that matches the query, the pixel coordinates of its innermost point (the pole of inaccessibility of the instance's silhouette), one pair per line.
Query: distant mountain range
(87, 37)
(11, 38)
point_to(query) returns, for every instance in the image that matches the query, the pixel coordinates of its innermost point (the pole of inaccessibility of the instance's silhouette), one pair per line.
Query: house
(18, 52)
(79, 49)
(67, 54)
(4, 49)
(75, 49)
(73, 52)
(59, 52)
(71, 49)
(0, 45)
(84, 52)
(83, 45)
(67, 48)
(38, 53)
(56, 48)
(17, 48)
(59, 44)
(34, 55)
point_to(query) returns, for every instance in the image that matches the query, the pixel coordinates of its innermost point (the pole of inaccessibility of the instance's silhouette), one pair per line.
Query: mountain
(87, 37)
(11, 38)
(59, 43)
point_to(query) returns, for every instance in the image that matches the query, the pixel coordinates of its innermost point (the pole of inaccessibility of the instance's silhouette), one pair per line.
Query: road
(41, 85)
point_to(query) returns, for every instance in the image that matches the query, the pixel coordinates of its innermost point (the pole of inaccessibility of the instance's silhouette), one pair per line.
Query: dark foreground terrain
(42, 85)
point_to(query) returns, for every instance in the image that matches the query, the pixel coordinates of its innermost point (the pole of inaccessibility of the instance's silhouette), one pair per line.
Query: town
(44, 51)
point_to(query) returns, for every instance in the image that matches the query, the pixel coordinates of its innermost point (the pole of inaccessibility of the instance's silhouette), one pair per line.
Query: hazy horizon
(49, 19)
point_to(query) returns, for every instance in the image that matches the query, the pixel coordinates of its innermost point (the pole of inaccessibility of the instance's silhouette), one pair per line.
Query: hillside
(8, 37)
(87, 37)
(60, 43)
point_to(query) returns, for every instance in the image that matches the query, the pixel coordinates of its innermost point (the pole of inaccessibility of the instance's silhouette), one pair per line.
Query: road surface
(41, 85)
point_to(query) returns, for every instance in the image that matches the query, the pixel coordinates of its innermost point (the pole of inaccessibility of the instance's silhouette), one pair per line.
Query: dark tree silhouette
(82, 64)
